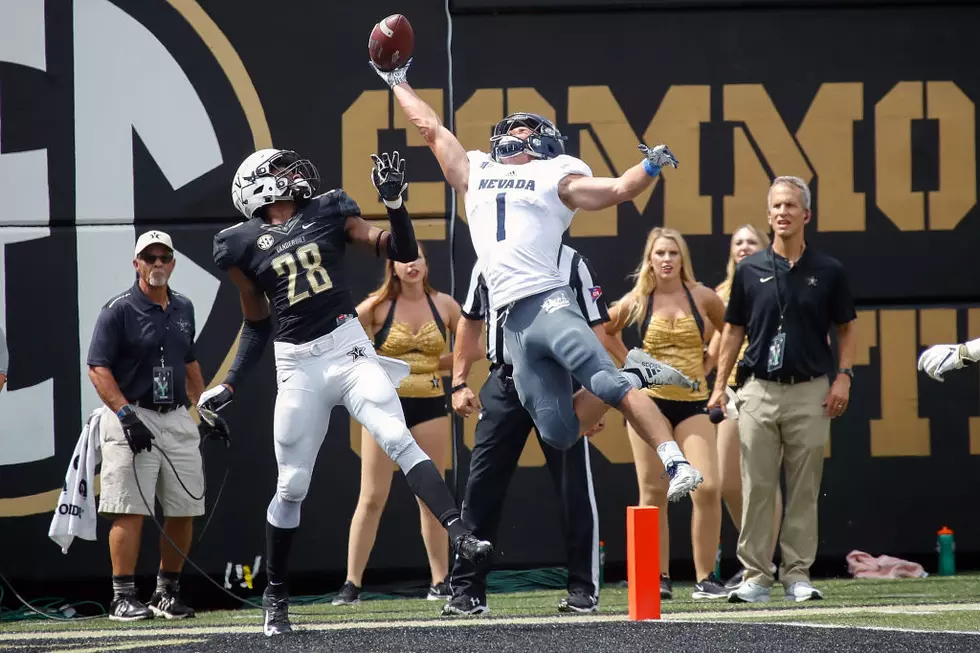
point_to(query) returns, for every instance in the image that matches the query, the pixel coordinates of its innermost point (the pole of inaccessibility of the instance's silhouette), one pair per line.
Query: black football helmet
(545, 141)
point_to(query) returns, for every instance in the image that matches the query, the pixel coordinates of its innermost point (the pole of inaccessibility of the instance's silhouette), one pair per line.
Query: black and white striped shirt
(573, 267)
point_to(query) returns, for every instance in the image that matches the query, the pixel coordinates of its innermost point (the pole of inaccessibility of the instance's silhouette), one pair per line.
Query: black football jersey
(297, 264)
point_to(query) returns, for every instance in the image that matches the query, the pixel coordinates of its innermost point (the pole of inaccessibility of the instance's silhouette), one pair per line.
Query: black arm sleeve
(253, 339)
(401, 241)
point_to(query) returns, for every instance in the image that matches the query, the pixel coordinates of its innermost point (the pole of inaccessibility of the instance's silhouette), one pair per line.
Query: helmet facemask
(544, 142)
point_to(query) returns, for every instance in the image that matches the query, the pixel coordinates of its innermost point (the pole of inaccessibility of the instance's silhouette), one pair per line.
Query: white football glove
(393, 77)
(939, 359)
(214, 399)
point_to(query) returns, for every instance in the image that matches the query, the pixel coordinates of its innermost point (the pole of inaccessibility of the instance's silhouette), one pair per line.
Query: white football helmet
(272, 175)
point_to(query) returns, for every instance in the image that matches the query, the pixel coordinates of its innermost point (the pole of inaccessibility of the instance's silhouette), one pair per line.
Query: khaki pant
(174, 433)
(780, 422)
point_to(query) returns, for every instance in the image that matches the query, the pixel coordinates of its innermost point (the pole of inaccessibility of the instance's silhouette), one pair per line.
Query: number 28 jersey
(298, 265)
(516, 221)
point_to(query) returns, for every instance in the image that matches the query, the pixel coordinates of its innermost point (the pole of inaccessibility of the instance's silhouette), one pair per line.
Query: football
(391, 42)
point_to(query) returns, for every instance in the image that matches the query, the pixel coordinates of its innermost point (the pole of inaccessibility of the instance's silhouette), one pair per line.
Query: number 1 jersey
(516, 221)
(298, 265)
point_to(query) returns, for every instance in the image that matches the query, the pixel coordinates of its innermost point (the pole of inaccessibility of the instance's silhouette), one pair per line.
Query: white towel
(395, 368)
(75, 515)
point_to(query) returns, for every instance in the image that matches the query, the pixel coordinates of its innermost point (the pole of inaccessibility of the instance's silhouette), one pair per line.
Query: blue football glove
(657, 158)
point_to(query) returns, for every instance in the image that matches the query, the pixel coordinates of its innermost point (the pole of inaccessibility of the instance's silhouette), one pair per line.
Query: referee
(501, 434)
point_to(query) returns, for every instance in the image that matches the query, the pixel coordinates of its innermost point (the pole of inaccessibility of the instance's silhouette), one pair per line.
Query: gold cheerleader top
(420, 350)
(679, 344)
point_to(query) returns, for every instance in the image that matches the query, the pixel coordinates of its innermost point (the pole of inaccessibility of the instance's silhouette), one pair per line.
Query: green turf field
(936, 603)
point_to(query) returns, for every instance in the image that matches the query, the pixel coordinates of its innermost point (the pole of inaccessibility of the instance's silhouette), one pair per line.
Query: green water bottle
(946, 548)
(602, 563)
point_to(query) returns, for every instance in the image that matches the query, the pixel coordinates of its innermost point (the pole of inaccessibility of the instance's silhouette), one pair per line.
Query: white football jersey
(516, 222)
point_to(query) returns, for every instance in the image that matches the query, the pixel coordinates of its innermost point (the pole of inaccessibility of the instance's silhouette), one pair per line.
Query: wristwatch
(846, 370)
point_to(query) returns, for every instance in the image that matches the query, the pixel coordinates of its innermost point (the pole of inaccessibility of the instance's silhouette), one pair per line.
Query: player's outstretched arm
(256, 331)
(443, 143)
(594, 193)
(388, 177)
(939, 359)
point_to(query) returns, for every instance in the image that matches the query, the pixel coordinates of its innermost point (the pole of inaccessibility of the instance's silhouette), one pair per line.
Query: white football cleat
(683, 479)
(652, 372)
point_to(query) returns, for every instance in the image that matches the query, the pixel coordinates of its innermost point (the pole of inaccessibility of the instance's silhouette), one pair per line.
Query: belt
(157, 408)
(787, 379)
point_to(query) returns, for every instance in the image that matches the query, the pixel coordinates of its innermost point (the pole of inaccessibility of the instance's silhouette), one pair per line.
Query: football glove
(393, 77)
(138, 436)
(939, 359)
(657, 158)
(388, 177)
(214, 399)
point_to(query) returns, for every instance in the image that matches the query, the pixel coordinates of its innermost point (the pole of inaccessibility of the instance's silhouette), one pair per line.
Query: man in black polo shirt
(785, 300)
(143, 366)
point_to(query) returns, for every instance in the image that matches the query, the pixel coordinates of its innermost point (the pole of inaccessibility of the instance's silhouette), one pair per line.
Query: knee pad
(294, 482)
(610, 386)
(282, 513)
(397, 442)
(558, 428)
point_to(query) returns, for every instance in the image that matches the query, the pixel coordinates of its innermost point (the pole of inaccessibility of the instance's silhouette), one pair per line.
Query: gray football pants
(549, 343)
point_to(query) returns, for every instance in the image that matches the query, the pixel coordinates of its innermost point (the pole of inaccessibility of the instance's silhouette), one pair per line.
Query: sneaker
(666, 587)
(126, 607)
(349, 594)
(652, 372)
(683, 479)
(439, 592)
(803, 591)
(736, 580)
(578, 601)
(169, 605)
(475, 550)
(709, 588)
(749, 593)
(465, 605)
(276, 607)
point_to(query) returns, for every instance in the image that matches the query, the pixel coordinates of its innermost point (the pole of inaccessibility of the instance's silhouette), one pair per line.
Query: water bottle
(602, 563)
(718, 561)
(946, 548)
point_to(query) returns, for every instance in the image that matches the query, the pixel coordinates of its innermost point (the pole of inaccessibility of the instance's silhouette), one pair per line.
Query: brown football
(391, 42)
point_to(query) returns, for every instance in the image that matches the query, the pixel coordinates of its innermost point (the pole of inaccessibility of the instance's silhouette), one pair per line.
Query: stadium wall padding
(122, 116)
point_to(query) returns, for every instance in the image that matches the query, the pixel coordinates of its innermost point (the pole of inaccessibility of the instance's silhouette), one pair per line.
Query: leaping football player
(289, 253)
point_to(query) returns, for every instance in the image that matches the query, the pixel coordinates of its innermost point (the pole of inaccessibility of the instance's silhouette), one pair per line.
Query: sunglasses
(153, 258)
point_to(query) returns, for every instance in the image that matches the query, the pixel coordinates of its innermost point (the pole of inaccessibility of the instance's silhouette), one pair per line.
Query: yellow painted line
(129, 646)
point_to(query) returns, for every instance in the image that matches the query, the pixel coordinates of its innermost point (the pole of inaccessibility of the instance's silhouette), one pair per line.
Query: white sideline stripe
(697, 617)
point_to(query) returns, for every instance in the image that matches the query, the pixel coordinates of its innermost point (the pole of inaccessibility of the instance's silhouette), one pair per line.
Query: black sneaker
(126, 607)
(709, 588)
(666, 587)
(475, 550)
(168, 604)
(439, 592)
(465, 605)
(349, 594)
(276, 607)
(578, 601)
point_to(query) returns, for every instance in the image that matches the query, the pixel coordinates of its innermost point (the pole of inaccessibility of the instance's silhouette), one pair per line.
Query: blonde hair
(724, 289)
(391, 287)
(646, 279)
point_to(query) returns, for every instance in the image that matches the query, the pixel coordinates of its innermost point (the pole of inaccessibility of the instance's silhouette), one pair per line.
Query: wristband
(457, 388)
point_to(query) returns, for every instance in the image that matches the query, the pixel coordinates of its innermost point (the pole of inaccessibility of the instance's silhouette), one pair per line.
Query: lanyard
(779, 298)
